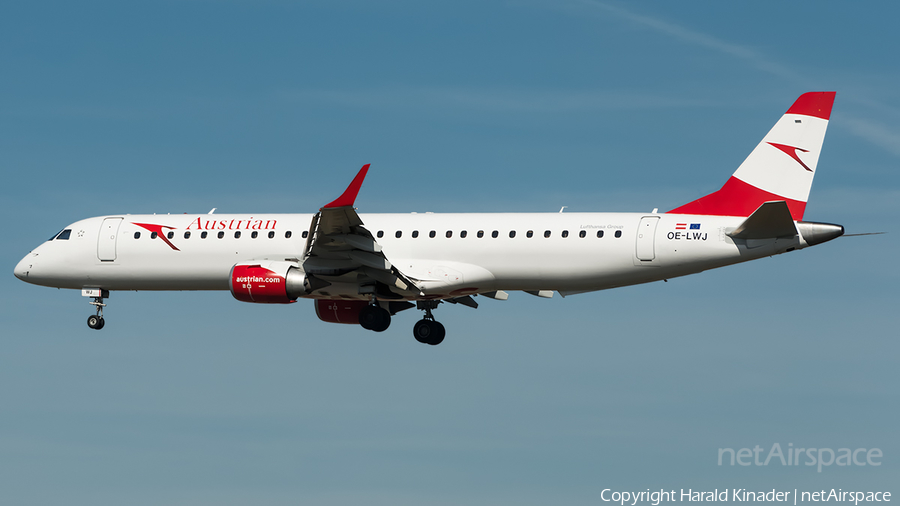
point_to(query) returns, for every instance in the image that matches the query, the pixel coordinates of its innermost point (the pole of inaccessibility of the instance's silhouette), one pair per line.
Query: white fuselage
(363, 269)
(584, 251)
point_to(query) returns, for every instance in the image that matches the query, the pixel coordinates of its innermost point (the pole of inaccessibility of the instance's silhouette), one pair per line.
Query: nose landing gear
(96, 321)
(428, 330)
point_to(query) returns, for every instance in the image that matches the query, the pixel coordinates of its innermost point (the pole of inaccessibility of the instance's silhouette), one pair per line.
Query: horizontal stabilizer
(770, 220)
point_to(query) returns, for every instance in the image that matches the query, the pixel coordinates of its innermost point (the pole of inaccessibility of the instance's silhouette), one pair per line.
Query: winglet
(349, 196)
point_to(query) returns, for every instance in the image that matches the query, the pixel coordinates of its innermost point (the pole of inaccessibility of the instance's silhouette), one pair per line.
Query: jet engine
(339, 311)
(269, 282)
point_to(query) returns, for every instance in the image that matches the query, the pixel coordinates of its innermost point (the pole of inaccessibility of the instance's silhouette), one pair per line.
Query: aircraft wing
(339, 249)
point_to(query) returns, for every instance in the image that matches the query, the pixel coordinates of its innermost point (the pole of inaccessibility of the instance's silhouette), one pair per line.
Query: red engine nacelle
(339, 311)
(268, 282)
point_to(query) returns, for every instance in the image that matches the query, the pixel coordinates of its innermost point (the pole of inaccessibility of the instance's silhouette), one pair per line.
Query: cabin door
(106, 243)
(645, 248)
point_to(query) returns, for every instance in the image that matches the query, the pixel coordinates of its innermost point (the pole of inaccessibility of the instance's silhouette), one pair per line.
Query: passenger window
(137, 235)
(432, 234)
(495, 234)
(305, 234)
(618, 233)
(599, 234)
(254, 235)
(203, 234)
(288, 234)
(380, 234)
(398, 234)
(512, 233)
(219, 235)
(154, 234)
(463, 234)
(271, 234)
(449, 234)
(565, 233)
(529, 234)
(187, 235)
(170, 235)
(582, 234)
(480, 234)
(546, 233)
(415, 234)
(237, 235)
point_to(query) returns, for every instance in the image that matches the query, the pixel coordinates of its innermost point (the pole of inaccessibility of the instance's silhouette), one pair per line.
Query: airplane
(364, 269)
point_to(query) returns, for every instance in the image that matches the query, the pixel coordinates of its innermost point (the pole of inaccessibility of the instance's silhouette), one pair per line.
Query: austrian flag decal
(687, 232)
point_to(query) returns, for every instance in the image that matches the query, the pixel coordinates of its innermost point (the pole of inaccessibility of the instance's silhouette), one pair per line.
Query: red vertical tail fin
(781, 167)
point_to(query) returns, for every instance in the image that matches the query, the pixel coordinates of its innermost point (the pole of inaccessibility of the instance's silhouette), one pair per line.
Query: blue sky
(197, 399)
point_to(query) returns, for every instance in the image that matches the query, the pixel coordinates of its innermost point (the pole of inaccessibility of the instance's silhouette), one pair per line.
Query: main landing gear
(96, 321)
(374, 317)
(377, 318)
(428, 330)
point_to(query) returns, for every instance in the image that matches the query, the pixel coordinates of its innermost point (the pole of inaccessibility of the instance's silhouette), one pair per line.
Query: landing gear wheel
(439, 334)
(375, 318)
(95, 322)
(429, 332)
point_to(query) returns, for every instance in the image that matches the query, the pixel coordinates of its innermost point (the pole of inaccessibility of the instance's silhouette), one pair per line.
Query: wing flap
(340, 245)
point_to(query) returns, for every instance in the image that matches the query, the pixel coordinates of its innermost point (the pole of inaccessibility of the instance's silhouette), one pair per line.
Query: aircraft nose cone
(23, 267)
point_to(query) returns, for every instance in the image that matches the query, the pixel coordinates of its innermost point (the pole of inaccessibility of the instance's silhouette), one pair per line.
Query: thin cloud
(754, 58)
(870, 131)
(876, 133)
(492, 100)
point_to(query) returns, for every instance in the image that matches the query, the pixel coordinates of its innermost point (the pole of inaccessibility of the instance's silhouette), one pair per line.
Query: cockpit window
(64, 235)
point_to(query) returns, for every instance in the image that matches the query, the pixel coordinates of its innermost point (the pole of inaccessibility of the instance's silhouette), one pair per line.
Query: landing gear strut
(96, 321)
(375, 318)
(427, 330)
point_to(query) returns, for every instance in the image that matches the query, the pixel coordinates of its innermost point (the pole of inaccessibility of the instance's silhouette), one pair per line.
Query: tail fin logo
(791, 151)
